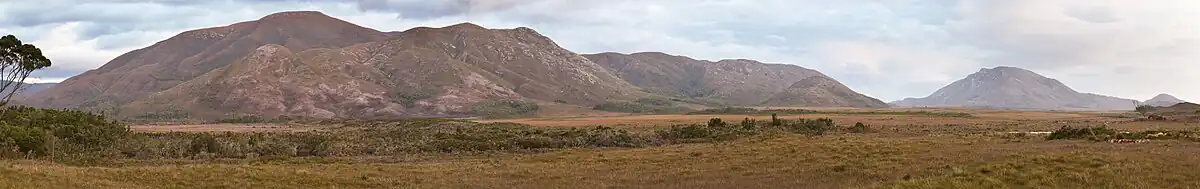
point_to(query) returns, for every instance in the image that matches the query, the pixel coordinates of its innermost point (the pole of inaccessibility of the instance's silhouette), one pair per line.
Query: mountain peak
(466, 25)
(295, 15)
(1012, 87)
(1165, 96)
(1006, 69)
(1163, 100)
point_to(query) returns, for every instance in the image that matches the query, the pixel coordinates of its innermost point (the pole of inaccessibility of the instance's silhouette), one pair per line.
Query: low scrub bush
(409, 98)
(1093, 133)
(1105, 133)
(504, 108)
(245, 119)
(719, 130)
(752, 111)
(88, 139)
(34, 132)
(641, 106)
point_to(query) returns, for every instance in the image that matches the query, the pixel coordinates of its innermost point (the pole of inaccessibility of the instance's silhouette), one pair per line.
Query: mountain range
(1015, 88)
(311, 65)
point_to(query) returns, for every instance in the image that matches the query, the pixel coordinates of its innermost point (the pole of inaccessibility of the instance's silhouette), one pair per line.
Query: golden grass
(847, 161)
(903, 152)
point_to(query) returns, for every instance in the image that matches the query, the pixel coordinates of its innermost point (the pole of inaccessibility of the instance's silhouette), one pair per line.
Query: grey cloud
(424, 9)
(1095, 14)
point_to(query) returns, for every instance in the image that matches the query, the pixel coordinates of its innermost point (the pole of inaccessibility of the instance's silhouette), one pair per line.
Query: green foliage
(859, 127)
(1144, 109)
(749, 111)
(409, 98)
(640, 106)
(655, 102)
(1093, 133)
(810, 126)
(726, 110)
(171, 114)
(17, 61)
(752, 111)
(245, 119)
(1121, 115)
(718, 130)
(1104, 133)
(504, 108)
(39, 132)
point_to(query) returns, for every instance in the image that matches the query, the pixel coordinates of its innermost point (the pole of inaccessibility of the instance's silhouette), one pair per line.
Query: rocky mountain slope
(731, 82)
(307, 64)
(1014, 88)
(422, 71)
(1163, 100)
(137, 74)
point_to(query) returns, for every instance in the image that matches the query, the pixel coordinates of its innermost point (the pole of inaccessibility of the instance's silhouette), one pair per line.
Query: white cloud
(888, 49)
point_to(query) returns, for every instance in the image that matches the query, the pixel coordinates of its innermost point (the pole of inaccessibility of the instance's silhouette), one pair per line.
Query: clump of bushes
(409, 98)
(727, 111)
(749, 111)
(245, 119)
(645, 105)
(70, 136)
(35, 132)
(171, 114)
(504, 108)
(719, 130)
(655, 102)
(752, 111)
(1093, 133)
(859, 127)
(1104, 133)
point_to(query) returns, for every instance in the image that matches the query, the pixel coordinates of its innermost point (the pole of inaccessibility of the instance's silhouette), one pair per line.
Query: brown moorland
(990, 149)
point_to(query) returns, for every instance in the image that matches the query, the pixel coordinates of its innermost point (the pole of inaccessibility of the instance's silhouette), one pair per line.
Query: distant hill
(307, 64)
(31, 88)
(732, 82)
(1015, 88)
(1163, 100)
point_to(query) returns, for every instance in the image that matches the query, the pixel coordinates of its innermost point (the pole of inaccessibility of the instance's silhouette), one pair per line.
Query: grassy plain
(987, 150)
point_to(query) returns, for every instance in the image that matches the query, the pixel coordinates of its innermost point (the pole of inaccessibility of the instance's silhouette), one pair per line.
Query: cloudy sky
(890, 49)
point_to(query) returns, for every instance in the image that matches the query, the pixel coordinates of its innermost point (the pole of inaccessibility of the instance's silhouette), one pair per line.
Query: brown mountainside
(731, 82)
(422, 71)
(311, 65)
(142, 72)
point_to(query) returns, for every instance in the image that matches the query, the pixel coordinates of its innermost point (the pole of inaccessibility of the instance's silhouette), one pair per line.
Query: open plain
(988, 149)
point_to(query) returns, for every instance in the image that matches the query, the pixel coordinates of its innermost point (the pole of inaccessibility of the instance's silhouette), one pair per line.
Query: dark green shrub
(716, 122)
(636, 107)
(409, 98)
(749, 111)
(504, 108)
(726, 110)
(1091, 133)
(171, 114)
(859, 127)
(39, 132)
(810, 126)
(655, 102)
(205, 144)
(244, 119)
